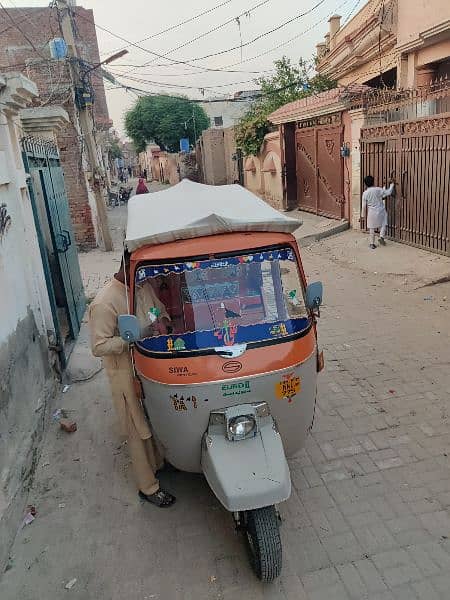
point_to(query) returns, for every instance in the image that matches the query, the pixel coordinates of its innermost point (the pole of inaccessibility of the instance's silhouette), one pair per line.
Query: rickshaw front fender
(247, 474)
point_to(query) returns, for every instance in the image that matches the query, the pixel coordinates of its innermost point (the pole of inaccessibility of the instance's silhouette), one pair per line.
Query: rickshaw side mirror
(129, 328)
(314, 295)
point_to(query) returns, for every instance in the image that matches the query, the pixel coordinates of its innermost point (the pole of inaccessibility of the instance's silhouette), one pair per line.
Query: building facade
(31, 347)
(387, 117)
(226, 112)
(31, 55)
(393, 43)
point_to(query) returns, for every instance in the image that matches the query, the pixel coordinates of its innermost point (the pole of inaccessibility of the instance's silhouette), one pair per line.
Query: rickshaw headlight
(240, 427)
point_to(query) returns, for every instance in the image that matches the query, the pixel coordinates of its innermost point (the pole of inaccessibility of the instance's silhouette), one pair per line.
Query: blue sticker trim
(259, 257)
(201, 340)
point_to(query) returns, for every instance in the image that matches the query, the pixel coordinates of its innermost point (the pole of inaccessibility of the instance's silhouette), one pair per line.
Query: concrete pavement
(369, 515)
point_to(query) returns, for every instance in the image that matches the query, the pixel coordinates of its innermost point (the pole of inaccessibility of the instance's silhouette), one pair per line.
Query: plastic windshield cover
(206, 304)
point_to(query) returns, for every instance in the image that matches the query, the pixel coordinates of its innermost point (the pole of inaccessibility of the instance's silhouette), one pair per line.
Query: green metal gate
(42, 163)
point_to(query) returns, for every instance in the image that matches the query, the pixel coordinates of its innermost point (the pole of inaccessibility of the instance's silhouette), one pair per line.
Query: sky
(135, 20)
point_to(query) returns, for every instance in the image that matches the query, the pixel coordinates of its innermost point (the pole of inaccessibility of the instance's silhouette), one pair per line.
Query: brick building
(25, 47)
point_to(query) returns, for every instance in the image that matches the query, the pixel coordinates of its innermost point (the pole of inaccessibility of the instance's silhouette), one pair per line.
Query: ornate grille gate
(418, 152)
(320, 181)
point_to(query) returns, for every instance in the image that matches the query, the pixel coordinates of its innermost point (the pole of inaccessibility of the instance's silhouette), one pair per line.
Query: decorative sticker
(288, 387)
(182, 403)
(293, 297)
(179, 344)
(153, 314)
(235, 389)
(278, 329)
(283, 254)
(227, 333)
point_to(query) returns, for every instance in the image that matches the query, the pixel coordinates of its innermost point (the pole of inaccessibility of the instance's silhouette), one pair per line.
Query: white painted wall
(230, 111)
(22, 281)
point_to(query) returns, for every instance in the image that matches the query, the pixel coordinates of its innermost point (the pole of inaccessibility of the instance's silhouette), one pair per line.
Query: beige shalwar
(106, 342)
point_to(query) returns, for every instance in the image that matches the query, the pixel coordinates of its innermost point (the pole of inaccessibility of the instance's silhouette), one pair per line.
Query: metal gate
(42, 163)
(418, 154)
(320, 181)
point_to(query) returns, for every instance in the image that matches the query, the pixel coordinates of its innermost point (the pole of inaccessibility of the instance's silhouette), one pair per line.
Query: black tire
(262, 530)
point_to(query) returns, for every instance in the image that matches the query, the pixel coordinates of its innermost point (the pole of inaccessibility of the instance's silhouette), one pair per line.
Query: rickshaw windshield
(204, 304)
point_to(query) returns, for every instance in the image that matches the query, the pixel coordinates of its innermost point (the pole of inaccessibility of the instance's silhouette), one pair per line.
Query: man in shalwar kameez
(106, 342)
(373, 198)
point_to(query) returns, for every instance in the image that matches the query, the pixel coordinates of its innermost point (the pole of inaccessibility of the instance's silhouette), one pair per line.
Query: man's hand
(163, 326)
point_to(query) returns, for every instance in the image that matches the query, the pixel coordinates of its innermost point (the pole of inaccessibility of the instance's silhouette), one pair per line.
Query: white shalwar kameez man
(373, 198)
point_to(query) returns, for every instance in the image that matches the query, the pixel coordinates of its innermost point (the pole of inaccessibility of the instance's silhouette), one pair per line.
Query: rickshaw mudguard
(247, 474)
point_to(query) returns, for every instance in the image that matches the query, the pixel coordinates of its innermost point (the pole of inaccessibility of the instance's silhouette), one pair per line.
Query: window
(218, 121)
(220, 302)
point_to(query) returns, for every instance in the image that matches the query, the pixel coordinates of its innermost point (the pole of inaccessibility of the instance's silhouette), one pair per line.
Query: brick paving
(369, 514)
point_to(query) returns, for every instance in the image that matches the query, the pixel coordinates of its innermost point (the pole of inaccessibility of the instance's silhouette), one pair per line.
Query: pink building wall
(262, 173)
(408, 35)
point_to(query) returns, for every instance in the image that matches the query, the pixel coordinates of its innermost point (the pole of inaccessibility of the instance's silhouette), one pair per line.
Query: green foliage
(288, 83)
(164, 120)
(115, 151)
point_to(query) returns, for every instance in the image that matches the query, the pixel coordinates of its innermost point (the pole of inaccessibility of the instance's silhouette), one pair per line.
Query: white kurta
(373, 198)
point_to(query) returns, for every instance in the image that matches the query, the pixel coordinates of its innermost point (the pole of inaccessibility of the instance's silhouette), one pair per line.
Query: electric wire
(156, 54)
(289, 41)
(214, 29)
(172, 27)
(261, 35)
(204, 68)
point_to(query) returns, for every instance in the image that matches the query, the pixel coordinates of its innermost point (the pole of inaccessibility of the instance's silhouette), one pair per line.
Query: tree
(115, 151)
(289, 82)
(164, 120)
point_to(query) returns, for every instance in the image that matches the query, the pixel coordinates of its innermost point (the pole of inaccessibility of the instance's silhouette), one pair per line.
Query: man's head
(369, 181)
(124, 271)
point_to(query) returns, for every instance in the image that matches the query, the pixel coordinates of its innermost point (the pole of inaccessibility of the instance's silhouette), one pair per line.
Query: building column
(358, 119)
(335, 25)
(402, 72)
(43, 122)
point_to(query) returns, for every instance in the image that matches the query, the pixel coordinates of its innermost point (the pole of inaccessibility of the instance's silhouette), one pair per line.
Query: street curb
(316, 237)
(437, 281)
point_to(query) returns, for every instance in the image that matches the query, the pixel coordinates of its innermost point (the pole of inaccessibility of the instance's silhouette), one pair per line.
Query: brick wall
(53, 80)
(77, 192)
(213, 157)
(230, 152)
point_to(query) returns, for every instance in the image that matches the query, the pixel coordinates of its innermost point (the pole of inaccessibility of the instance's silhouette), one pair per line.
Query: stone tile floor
(369, 515)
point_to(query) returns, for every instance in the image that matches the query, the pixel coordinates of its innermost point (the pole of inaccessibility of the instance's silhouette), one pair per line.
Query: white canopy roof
(189, 210)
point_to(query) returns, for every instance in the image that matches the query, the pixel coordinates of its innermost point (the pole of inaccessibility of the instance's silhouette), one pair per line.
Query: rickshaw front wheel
(262, 531)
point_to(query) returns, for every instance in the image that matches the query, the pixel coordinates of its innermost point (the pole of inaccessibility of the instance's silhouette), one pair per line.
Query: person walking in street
(144, 174)
(106, 342)
(129, 171)
(141, 188)
(373, 200)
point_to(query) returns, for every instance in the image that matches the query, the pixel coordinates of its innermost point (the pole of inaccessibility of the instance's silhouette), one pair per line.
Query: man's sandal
(161, 498)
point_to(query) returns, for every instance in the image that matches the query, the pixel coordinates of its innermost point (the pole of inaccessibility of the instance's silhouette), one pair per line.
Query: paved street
(369, 515)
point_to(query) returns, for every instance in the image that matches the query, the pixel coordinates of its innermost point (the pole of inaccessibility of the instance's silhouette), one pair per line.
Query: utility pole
(195, 126)
(86, 125)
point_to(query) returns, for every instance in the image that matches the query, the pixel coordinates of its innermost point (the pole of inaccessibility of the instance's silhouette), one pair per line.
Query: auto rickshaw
(229, 359)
